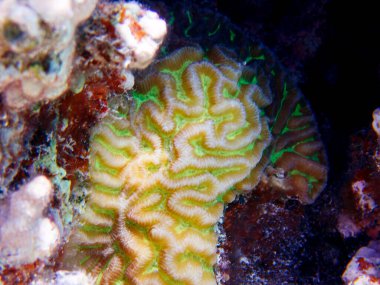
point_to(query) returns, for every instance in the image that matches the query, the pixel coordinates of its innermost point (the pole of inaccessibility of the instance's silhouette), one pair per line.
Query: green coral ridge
(296, 153)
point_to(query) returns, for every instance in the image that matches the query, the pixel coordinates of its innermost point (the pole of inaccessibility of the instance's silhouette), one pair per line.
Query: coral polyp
(161, 174)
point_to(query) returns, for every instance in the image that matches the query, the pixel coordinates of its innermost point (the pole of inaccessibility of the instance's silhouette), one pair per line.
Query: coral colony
(160, 176)
(174, 143)
(194, 137)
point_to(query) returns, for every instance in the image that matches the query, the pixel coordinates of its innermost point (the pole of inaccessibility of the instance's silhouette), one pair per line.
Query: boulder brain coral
(160, 175)
(296, 159)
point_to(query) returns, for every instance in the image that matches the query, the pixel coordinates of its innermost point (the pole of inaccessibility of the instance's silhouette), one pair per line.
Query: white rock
(376, 121)
(39, 35)
(139, 48)
(25, 234)
(63, 277)
(364, 267)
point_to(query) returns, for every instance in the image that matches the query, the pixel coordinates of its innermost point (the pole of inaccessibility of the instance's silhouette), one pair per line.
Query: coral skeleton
(365, 202)
(160, 177)
(25, 234)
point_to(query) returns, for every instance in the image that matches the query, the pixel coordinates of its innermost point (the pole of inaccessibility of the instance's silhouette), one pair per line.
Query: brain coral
(296, 157)
(160, 174)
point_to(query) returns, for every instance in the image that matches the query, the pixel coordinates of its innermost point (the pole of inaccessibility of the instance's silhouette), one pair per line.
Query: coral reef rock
(376, 121)
(142, 32)
(364, 267)
(261, 236)
(25, 234)
(12, 146)
(37, 44)
(117, 38)
(361, 196)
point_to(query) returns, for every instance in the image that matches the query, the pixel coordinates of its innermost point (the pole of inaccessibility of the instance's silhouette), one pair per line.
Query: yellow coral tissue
(160, 176)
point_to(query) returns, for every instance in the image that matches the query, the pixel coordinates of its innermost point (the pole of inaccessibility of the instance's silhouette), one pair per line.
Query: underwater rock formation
(25, 234)
(53, 138)
(262, 234)
(376, 121)
(115, 39)
(364, 268)
(37, 45)
(360, 194)
(12, 146)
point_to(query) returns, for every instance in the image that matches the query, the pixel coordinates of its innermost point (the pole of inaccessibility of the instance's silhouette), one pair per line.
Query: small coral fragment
(161, 175)
(117, 38)
(360, 193)
(376, 121)
(364, 267)
(142, 32)
(25, 234)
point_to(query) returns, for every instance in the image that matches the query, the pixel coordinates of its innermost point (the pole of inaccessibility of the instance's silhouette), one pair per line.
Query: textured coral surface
(160, 176)
(297, 156)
